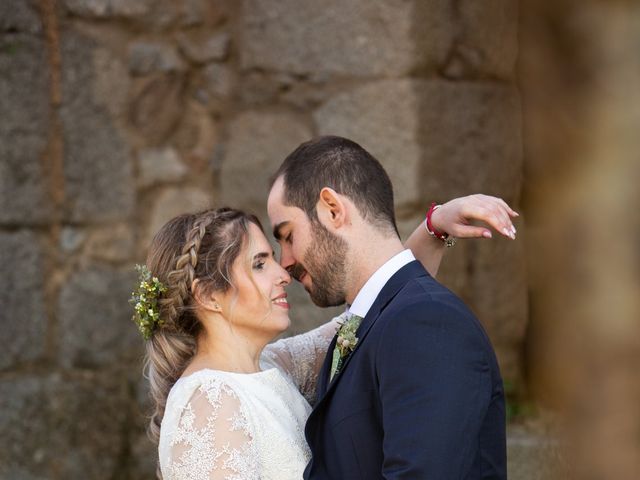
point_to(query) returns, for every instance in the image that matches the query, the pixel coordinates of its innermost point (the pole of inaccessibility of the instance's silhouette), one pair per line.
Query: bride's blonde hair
(189, 247)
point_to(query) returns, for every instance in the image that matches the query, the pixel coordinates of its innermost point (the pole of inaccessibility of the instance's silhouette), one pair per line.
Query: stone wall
(119, 114)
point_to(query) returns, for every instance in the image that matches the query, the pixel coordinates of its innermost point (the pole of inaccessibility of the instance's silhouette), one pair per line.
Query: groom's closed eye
(277, 230)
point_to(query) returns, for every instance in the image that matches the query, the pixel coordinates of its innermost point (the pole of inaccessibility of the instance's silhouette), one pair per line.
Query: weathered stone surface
(147, 57)
(436, 139)
(24, 91)
(203, 47)
(25, 428)
(158, 106)
(71, 426)
(218, 79)
(258, 89)
(97, 163)
(71, 239)
(175, 201)
(22, 316)
(488, 41)
(111, 83)
(112, 243)
(95, 318)
(109, 8)
(157, 165)
(257, 145)
(533, 455)
(357, 38)
(88, 420)
(19, 16)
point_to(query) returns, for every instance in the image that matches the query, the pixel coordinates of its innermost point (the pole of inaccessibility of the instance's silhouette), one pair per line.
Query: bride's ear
(331, 208)
(204, 299)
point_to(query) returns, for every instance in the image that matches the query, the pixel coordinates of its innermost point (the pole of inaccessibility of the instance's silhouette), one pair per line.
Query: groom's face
(308, 251)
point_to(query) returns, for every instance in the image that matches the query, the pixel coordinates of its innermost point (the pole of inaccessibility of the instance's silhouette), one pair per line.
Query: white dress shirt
(371, 289)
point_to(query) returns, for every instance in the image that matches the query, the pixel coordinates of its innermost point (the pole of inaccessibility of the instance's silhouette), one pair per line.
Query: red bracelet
(430, 230)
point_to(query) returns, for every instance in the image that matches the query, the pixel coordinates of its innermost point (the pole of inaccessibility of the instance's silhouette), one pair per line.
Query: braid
(180, 280)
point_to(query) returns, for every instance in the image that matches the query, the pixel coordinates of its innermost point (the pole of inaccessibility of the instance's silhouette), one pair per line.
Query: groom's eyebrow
(277, 229)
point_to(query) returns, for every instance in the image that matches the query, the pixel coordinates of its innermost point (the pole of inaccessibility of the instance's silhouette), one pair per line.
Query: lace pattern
(301, 356)
(213, 439)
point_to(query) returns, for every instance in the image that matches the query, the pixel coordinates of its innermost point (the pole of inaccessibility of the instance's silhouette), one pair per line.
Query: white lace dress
(231, 426)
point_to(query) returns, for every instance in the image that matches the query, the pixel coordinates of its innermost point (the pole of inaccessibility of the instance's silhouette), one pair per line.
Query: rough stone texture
(157, 106)
(147, 57)
(71, 239)
(62, 427)
(25, 427)
(534, 455)
(218, 79)
(358, 38)
(257, 145)
(488, 44)
(97, 163)
(157, 165)
(202, 47)
(112, 243)
(109, 8)
(111, 83)
(22, 316)
(95, 318)
(436, 140)
(174, 201)
(19, 16)
(24, 91)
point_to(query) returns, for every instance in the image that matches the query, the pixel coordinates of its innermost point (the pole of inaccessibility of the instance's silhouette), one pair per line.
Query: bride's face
(258, 304)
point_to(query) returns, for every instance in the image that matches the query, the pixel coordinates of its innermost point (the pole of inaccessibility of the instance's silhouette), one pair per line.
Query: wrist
(441, 235)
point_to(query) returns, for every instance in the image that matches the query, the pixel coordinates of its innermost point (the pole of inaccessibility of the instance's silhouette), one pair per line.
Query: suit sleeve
(435, 389)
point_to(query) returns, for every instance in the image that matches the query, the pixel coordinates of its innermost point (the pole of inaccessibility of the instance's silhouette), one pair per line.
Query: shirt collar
(371, 289)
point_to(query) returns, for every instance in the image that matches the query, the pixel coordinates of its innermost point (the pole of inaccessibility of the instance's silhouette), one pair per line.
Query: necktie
(345, 343)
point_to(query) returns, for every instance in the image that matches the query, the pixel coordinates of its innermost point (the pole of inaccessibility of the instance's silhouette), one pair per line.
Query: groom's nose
(287, 261)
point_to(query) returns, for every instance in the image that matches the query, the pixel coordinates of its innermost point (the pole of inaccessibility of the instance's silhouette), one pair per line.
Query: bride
(227, 403)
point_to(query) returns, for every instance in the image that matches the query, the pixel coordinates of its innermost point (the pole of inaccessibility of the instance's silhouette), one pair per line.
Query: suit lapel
(390, 290)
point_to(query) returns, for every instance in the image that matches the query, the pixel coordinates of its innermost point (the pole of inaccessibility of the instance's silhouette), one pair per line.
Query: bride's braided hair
(189, 247)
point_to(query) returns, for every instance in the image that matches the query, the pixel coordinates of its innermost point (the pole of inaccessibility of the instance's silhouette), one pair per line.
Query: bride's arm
(302, 355)
(454, 218)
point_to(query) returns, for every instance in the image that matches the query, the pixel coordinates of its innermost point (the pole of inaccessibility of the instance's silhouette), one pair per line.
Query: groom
(416, 392)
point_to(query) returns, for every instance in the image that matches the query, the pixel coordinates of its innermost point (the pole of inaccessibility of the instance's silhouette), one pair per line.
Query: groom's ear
(331, 208)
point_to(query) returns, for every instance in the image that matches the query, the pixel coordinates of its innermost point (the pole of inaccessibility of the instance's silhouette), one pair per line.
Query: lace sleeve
(213, 440)
(301, 356)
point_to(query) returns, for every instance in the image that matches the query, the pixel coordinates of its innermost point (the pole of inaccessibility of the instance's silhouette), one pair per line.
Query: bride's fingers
(468, 231)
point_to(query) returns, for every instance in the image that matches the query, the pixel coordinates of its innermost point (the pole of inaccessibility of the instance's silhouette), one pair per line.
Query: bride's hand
(455, 216)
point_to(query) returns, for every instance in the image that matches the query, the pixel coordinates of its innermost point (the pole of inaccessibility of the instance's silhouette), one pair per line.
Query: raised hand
(455, 216)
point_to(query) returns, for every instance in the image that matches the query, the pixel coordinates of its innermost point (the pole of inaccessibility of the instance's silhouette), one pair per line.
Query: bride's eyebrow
(262, 255)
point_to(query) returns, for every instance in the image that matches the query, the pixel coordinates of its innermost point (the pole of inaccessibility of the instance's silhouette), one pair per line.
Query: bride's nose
(283, 277)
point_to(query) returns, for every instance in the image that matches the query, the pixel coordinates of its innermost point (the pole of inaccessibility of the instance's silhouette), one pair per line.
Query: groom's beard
(324, 262)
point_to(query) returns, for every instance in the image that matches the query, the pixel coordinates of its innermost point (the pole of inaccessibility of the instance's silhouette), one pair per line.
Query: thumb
(468, 231)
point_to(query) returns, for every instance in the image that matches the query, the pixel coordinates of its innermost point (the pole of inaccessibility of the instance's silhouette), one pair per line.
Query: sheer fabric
(229, 426)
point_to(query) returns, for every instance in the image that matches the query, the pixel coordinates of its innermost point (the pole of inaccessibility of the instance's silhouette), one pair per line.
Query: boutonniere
(345, 343)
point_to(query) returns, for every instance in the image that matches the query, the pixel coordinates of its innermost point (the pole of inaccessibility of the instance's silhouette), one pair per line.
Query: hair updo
(200, 246)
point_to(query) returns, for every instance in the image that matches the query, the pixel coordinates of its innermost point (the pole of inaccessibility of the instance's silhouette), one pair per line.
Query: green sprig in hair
(145, 302)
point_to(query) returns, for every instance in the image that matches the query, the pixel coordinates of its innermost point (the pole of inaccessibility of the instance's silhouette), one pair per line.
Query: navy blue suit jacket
(420, 397)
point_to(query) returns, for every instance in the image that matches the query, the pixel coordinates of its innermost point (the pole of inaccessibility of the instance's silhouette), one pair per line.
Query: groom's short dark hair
(344, 166)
